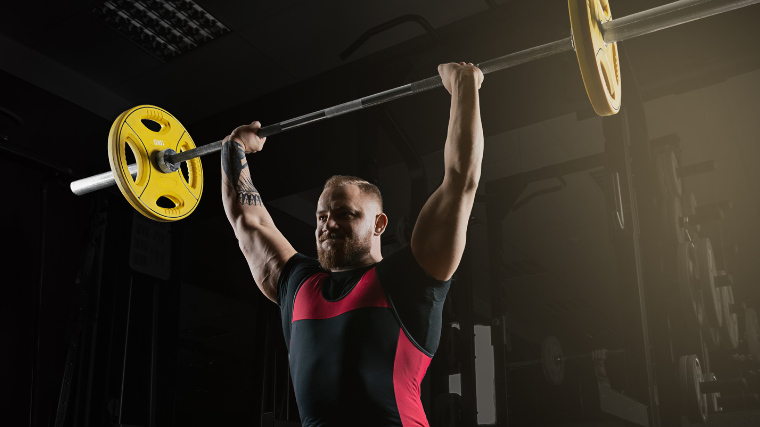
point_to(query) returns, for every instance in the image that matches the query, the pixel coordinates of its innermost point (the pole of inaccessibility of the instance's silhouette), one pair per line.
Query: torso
(351, 360)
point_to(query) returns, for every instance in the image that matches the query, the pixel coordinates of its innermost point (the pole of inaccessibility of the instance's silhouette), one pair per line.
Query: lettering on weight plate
(235, 167)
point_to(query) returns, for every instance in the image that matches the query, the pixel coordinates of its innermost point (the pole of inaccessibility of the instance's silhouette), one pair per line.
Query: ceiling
(271, 45)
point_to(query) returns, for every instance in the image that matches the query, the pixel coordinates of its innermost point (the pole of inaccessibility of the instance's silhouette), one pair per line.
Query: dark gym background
(204, 347)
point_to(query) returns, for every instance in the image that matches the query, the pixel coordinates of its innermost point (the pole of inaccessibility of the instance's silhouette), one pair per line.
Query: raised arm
(439, 236)
(264, 247)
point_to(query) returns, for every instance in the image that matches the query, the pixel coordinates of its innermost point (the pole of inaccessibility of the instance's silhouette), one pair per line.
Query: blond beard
(344, 253)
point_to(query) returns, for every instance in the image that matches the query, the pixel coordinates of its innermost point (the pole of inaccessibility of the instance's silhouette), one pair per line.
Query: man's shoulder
(402, 263)
(300, 264)
(296, 270)
(403, 253)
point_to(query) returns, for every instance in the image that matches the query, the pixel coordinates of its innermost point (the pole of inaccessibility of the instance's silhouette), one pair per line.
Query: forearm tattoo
(235, 167)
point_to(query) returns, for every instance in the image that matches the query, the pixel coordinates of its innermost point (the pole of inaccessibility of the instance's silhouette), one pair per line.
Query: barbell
(160, 151)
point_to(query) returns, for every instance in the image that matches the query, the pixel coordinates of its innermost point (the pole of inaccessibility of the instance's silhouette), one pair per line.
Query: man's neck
(366, 261)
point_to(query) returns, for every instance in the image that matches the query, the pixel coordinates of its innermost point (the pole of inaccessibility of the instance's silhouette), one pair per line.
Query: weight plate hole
(166, 203)
(185, 172)
(607, 83)
(152, 125)
(616, 64)
(129, 154)
(605, 5)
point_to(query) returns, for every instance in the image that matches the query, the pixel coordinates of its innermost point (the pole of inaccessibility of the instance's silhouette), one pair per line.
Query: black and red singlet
(360, 341)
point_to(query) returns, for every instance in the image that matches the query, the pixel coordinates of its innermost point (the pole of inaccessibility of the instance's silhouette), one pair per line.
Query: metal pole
(97, 182)
(638, 24)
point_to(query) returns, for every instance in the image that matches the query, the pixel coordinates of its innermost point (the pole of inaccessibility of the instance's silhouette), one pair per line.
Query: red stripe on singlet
(409, 368)
(310, 304)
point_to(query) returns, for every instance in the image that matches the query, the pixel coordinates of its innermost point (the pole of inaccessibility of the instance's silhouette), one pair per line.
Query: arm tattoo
(235, 167)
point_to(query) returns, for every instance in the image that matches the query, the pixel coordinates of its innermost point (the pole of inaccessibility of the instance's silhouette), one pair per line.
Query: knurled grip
(427, 84)
(269, 130)
(344, 108)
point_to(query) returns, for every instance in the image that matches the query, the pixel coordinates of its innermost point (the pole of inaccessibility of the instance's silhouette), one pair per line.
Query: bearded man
(361, 330)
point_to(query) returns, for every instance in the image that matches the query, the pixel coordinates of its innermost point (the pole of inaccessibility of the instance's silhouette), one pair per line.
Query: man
(361, 330)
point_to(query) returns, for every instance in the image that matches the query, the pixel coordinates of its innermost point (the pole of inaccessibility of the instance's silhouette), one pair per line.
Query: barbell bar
(593, 31)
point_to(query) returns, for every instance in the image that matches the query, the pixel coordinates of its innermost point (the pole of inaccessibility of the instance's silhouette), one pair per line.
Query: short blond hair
(366, 187)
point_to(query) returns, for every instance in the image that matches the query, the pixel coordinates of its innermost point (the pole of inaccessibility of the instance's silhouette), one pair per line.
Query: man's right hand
(248, 136)
(452, 74)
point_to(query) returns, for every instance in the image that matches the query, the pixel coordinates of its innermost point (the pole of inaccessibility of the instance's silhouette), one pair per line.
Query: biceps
(266, 251)
(439, 237)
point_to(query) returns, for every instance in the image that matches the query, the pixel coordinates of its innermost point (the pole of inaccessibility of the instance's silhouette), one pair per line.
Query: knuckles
(246, 135)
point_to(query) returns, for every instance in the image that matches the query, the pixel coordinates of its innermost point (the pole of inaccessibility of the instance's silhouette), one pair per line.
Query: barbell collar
(163, 164)
(616, 30)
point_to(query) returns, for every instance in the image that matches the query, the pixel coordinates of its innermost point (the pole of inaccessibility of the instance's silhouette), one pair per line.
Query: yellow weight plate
(599, 61)
(143, 192)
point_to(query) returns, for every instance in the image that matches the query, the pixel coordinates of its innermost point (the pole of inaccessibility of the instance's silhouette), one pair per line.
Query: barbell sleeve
(666, 16)
(97, 182)
(613, 31)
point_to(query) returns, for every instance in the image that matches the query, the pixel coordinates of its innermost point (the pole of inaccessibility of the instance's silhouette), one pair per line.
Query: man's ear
(381, 221)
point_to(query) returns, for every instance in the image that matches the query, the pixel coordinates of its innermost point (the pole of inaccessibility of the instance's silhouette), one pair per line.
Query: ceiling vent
(166, 28)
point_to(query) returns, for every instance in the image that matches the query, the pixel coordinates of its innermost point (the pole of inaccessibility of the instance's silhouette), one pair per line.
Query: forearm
(463, 152)
(264, 247)
(242, 202)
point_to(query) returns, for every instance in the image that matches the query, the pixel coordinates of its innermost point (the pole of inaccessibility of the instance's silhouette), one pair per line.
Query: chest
(310, 303)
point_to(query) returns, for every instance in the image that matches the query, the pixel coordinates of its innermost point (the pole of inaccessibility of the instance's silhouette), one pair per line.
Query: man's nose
(329, 224)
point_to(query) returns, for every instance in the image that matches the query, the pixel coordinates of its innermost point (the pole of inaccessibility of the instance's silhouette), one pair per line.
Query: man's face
(345, 223)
